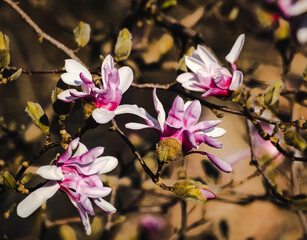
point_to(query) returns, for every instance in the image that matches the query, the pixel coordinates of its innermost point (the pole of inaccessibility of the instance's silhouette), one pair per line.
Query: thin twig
(26, 164)
(157, 181)
(42, 35)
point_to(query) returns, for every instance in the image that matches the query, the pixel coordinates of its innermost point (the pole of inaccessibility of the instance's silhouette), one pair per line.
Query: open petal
(236, 81)
(193, 64)
(33, 201)
(137, 126)
(126, 78)
(192, 114)
(68, 152)
(72, 79)
(131, 109)
(186, 77)
(50, 172)
(205, 125)
(192, 87)
(159, 108)
(72, 66)
(111, 163)
(70, 95)
(205, 56)
(84, 218)
(215, 132)
(106, 66)
(81, 150)
(102, 115)
(104, 205)
(236, 49)
(175, 114)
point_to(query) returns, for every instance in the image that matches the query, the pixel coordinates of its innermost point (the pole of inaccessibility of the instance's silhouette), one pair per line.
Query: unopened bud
(169, 150)
(188, 189)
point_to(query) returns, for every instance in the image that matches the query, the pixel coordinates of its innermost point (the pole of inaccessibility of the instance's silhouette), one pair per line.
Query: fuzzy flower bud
(169, 150)
(191, 190)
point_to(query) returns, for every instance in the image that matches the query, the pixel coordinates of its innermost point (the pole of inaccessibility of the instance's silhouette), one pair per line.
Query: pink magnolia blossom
(181, 125)
(290, 8)
(208, 76)
(77, 175)
(107, 97)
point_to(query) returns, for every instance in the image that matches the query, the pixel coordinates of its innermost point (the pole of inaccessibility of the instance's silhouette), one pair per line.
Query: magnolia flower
(181, 126)
(290, 8)
(107, 97)
(207, 75)
(77, 175)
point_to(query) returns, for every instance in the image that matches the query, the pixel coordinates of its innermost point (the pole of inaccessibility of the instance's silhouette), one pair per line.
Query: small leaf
(38, 116)
(181, 65)
(9, 180)
(271, 94)
(123, 45)
(4, 50)
(67, 233)
(168, 4)
(292, 138)
(15, 75)
(82, 34)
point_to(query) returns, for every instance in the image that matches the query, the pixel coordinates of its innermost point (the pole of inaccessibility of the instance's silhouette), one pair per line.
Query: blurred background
(243, 208)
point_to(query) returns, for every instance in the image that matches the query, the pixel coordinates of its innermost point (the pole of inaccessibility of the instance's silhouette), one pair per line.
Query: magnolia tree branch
(153, 177)
(36, 156)
(41, 33)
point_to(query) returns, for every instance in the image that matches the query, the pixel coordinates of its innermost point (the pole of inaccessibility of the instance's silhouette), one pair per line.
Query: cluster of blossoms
(76, 171)
(180, 126)
(208, 76)
(289, 9)
(107, 97)
(77, 175)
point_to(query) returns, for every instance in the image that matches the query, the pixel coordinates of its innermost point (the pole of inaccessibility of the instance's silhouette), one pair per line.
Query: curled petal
(70, 95)
(33, 201)
(50, 172)
(187, 77)
(222, 165)
(159, 108)
(80, 150)
(236, 81)
(236, 49)
(67, 154)
(104, 205)
(207, 193)
(205, 125)
(137, 126)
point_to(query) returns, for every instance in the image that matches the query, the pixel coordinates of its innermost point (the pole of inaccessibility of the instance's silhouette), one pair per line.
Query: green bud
(38, 116)
(9, 180)
(67, 233)
(272, 93)
(123, 45)
(15, 75)
(169, 150)
(4, 50)
(26, 178)
(292, 138)
(82, 34)
(188, 189)
(168, 4)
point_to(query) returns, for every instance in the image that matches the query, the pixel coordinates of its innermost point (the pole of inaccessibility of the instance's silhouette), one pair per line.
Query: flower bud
(169, 150)
(188, 189)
